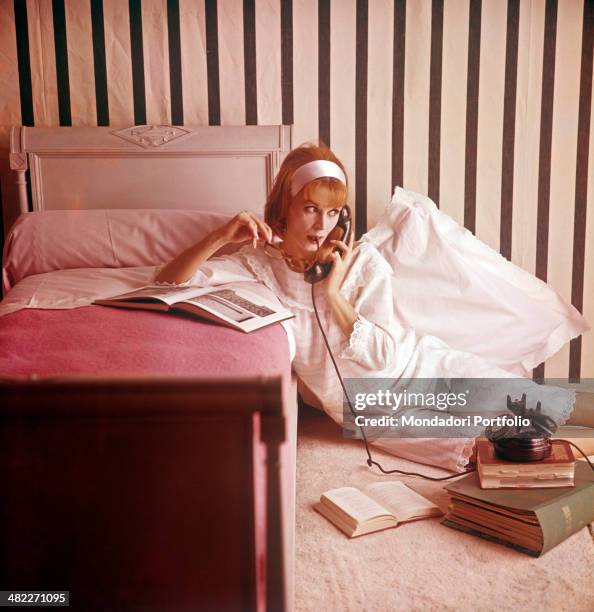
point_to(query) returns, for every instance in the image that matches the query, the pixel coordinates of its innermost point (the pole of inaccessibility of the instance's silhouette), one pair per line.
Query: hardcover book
(233, 306)
(557, 470)
(530, 520)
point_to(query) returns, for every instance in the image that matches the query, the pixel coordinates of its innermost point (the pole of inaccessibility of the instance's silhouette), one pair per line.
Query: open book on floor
(231, 305)
(380, 505)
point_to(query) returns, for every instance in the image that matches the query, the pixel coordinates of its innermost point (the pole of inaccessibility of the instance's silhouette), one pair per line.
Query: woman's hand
(246, 226)
(340, 260)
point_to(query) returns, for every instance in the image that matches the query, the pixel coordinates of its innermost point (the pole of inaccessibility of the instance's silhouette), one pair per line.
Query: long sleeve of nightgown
(373, 341)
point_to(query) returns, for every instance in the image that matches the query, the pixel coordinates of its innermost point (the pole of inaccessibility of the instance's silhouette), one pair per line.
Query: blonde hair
(280, 199)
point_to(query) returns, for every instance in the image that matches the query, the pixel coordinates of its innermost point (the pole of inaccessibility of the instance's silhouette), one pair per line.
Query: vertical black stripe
(361, 117)
(61, 48)
(324, 70)
(509, 128)
(546, 135)
(249, 55)
(287, 61)
(29, 190)
(435, 98)
(101, 97)
(544, 156)
(472, 97)
(581, 182)
(22, 40)
(212, 62)
(137, 52)
(398, 93)
(175, 68)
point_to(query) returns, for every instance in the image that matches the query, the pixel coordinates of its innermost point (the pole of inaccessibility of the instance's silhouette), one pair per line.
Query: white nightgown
(379, 346)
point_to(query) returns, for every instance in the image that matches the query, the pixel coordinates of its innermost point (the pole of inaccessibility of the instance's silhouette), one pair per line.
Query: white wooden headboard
(217, 168)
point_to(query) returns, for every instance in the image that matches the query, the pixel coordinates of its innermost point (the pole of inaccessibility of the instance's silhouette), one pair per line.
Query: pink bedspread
(116, 342)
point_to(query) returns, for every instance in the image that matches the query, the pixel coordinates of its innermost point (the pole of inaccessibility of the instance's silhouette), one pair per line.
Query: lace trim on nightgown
(358, 339)
(166, 283)
(465, 453)
(265, 275)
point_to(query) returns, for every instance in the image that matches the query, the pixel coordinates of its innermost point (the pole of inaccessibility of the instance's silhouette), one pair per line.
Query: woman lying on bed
(354, 302)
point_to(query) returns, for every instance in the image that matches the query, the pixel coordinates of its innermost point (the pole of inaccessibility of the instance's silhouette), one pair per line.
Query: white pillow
(67, 239)
(447, 283)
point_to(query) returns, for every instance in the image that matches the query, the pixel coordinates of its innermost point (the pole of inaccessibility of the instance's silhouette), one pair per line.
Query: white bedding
(65, 289)
(449, 284)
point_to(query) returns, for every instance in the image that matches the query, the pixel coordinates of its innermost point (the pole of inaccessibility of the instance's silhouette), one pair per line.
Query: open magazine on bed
(231, 305)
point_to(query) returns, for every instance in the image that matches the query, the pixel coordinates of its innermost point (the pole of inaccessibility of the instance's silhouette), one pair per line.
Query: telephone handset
(319, 271)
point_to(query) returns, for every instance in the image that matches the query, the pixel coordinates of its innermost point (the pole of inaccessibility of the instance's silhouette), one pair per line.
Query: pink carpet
(422, 565)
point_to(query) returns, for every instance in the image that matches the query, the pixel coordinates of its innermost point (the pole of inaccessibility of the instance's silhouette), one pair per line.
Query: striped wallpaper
(483, 104)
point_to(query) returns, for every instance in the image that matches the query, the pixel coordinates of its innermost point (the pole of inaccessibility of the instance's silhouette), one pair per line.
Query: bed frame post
(18, 163)
(273, 435)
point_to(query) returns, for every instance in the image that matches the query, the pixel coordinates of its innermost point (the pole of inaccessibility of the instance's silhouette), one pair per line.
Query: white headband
(314, 170)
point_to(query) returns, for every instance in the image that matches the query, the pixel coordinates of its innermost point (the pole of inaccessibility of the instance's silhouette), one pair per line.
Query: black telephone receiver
(319, 271)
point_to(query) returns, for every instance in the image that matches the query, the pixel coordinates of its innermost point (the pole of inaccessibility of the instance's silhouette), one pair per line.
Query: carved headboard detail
(222, 168)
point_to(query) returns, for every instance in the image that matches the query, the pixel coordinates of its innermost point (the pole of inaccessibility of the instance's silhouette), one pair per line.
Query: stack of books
(530, 520)
(557, 470)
